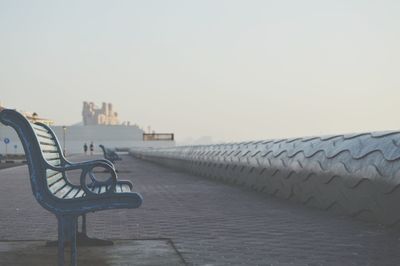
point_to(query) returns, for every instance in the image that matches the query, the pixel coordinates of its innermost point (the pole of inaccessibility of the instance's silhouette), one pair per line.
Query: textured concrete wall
(353, 174)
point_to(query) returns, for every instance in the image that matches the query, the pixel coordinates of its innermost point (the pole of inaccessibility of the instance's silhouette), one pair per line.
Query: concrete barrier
(357, 174)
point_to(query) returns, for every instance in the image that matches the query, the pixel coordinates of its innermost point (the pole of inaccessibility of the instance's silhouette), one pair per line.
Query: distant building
(100, 126)
(99, 116)
(33, 117)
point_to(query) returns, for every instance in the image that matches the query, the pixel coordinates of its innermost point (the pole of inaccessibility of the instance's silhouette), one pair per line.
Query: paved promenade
(209, 223)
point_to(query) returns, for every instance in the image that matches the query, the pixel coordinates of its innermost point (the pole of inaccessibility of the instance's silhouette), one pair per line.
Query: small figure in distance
(91, 148)
(85, 147)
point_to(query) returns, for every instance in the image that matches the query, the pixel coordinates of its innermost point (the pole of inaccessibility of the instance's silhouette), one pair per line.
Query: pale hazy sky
(233, 70)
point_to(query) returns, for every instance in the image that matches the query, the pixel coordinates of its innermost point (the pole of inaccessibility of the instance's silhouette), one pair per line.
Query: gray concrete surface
(123, 252)
(209, 223)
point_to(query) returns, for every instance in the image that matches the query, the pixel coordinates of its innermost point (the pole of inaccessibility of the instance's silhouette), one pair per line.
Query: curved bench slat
(43, 135)
(120, 188)
(40, 130)
(51, 156)
(39, 127)
(49, 148)
(57, 186)
(50, 173)
(80, 194)
(125, 188)
(54, 162)
(54, 179)
(46, 141)
(63, 191)
(71, 194)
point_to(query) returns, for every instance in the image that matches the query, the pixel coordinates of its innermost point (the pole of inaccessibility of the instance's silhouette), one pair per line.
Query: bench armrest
(109, 184)
(87, 171)
(81, 165)
(85, 163)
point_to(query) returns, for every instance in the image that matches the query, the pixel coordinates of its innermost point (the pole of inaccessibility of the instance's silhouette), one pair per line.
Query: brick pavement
(210, 223)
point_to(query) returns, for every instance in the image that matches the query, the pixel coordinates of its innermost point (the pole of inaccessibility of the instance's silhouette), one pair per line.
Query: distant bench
(110, 154)
(54, 192)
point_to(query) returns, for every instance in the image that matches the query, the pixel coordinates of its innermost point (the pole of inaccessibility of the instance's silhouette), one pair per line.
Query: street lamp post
(64, 131)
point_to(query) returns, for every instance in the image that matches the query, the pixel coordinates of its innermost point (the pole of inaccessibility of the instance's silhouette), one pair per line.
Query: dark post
(64, 130)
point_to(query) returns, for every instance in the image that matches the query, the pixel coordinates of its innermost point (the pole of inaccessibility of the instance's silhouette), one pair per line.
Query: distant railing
(123, 149)
(158, 136)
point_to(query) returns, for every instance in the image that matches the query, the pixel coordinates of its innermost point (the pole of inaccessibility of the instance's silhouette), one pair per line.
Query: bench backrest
(57, 183)
(109, 154)
(41, 149)
(103, 149)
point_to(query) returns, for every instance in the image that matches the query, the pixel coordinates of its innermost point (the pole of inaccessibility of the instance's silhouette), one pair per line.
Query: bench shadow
(36, 253)
(124, 252)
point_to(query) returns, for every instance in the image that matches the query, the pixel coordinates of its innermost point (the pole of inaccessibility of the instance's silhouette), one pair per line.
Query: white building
(75, 136)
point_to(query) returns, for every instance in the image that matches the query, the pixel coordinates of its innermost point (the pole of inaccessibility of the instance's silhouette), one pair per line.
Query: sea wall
(355, 174)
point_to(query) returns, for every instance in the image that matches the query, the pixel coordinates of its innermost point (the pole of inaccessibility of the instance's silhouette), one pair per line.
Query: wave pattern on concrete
(355, 174)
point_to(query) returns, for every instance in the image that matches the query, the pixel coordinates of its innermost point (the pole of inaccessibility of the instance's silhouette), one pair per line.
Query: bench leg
(84, 224)
(73, 241)
(67, 226)
(60, 241)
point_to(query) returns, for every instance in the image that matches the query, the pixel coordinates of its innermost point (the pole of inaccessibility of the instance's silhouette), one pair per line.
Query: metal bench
(110, 154)
(56, 193)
